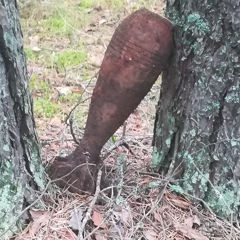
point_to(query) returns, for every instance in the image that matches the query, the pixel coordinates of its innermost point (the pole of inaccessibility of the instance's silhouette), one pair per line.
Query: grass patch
(71, 98)
(70, 58)
(30, 54)
(66, 21)
(112, 4)
(84, 4)
(45, 108)
(40, 86)
(56, 25)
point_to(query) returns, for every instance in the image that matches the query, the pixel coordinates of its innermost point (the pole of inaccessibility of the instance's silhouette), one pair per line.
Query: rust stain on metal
(137, 53)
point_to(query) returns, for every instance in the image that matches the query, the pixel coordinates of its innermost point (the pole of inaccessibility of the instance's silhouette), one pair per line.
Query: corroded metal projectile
(137, 53)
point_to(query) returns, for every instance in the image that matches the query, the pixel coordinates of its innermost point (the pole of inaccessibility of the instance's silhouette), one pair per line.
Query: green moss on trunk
(201, 92)
(20, 161)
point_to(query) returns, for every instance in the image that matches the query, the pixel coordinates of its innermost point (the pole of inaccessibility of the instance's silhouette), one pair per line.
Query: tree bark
(20, 161)
(198, 118)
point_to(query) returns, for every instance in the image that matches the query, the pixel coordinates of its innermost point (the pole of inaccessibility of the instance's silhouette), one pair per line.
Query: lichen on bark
(20, 161)
(201, 91)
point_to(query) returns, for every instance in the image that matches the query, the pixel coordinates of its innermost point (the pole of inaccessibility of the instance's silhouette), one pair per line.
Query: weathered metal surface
(138, 52)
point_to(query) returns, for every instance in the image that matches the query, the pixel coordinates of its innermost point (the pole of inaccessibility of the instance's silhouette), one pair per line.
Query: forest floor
(64, 43)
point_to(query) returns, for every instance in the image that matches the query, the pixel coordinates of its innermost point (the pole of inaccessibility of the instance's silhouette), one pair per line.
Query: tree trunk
(198, 118)
(21, 169)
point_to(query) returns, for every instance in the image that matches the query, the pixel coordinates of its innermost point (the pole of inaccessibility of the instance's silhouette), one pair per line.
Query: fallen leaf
(37, 95)
(77, 90)
(20, 238)
(157, 217)
(98, 219)
(64, 90)
(150, 234)
(100, 237)
(76, 218)
(189, 222)
(123, 215)
(68, 235)
(55, 122)
(96, 60)
(34, 40)
(36, 49)
(116, 230)
(180, 203)
(102, 21)
(196, 220)
(145, 182)
(40, 218)
(189, 232)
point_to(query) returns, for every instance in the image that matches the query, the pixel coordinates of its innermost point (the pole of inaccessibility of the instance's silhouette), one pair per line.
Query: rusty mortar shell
(137, 53)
